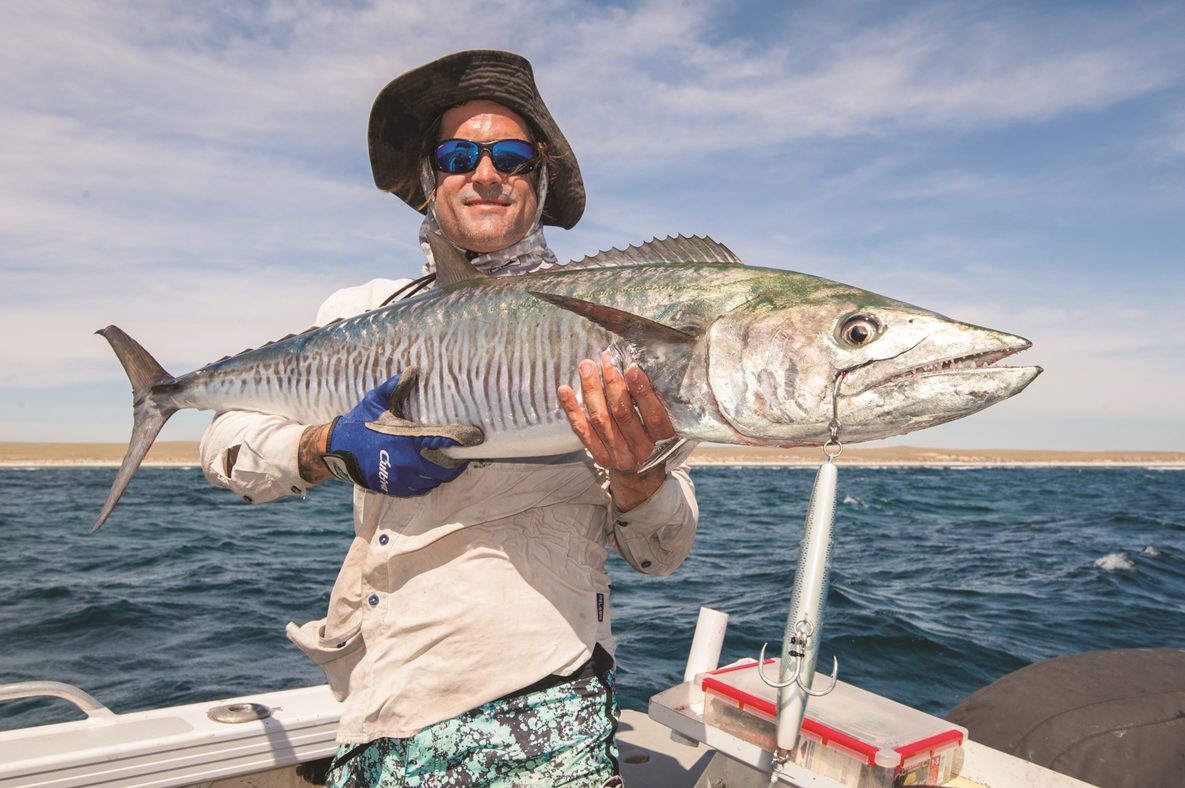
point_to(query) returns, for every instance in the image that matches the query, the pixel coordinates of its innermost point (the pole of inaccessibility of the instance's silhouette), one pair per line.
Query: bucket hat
(408, 107)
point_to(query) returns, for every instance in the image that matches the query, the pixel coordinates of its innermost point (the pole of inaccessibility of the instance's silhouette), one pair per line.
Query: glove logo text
(384, 469)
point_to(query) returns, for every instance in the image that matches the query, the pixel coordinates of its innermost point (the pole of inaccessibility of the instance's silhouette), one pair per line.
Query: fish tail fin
(144, 372)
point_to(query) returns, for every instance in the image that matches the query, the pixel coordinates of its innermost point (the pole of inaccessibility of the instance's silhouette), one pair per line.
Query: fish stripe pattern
(735, 354)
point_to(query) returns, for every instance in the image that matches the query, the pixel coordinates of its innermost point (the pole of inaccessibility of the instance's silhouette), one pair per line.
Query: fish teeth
(976, 361)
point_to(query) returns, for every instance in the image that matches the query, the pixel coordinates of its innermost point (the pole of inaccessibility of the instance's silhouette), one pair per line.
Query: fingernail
(586, 369)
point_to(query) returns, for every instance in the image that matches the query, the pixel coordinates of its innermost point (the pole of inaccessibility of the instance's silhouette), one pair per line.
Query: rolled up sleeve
(253, 455)
(655, 537)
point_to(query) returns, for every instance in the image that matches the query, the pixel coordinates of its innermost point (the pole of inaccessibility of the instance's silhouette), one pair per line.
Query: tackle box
(850, 735)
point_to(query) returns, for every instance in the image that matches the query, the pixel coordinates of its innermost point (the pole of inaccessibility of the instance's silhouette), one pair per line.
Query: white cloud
(936, 67)
(197, 173)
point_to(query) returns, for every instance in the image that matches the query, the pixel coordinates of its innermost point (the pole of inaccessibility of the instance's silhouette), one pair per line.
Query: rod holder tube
(707, 643)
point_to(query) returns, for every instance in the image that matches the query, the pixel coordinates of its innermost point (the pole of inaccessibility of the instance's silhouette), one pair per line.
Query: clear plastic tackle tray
(852, 736)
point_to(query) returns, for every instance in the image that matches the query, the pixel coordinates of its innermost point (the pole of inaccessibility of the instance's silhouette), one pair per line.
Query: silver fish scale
(474, 371)
(490, 354)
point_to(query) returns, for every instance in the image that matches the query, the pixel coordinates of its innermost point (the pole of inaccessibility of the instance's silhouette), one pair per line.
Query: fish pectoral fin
(633, 328)
(671, 452)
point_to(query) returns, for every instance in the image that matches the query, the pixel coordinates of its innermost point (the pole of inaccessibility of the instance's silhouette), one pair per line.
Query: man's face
(484, 210)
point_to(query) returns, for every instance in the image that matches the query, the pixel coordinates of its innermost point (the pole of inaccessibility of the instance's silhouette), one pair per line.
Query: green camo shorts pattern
(562, 736)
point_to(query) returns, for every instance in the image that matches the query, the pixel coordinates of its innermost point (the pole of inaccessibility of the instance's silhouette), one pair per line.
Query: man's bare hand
(610, 427)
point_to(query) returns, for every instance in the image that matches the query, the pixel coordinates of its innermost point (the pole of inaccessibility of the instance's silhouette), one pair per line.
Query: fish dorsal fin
(451, 265)
(630, 327)
(679, 249)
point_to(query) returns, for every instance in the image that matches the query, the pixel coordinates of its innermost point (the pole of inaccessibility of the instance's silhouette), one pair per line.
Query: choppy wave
(943, 584)
(1116, 561)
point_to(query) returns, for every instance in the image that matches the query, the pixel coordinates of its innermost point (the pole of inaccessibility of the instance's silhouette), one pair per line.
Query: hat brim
(409, 105)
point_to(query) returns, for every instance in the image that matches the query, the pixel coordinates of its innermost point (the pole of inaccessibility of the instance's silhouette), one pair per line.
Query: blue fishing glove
(374, 447)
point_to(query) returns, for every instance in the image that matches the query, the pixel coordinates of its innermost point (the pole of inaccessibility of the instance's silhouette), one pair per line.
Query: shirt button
(622, 523)
(645, 564)
(247, 498)
(384, 539)
(373, 599)
(296, 489)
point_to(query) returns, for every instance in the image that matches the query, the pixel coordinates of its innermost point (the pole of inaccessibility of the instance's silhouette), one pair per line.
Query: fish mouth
(955, 363)
(924, 386)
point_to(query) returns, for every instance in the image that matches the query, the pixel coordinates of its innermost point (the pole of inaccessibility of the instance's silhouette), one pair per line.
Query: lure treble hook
(803, 631)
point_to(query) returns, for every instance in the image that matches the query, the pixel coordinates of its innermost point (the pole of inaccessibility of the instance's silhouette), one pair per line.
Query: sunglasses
(513, 157)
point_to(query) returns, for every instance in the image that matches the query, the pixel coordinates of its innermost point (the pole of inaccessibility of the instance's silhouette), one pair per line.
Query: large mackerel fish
(736, 354)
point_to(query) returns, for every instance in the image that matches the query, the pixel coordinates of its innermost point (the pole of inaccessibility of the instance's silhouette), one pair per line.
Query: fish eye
(858, 330)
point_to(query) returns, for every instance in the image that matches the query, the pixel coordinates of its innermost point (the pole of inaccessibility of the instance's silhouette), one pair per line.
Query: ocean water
(943, 580)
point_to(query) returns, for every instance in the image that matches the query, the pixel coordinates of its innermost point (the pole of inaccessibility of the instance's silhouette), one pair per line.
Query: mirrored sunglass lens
(512, 155)
(456, 156)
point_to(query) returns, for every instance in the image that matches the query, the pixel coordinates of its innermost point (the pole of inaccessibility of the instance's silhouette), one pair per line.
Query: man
(469, 631)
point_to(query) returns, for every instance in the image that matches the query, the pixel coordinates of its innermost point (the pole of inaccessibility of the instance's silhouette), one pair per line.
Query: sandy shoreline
(167, 453)
(185, 453)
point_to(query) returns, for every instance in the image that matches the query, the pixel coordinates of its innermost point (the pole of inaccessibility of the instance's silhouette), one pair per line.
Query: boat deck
(183, 746)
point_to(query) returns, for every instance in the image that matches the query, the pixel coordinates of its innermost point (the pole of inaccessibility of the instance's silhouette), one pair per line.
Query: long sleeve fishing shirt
(483, 586)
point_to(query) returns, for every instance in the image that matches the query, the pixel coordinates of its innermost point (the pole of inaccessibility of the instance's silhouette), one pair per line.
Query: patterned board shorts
(559, 736)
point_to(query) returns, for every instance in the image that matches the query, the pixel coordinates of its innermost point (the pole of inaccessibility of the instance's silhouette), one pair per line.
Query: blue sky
(196, 173)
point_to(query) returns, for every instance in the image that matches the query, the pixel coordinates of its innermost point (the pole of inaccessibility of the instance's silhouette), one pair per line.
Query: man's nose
(486, 172)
